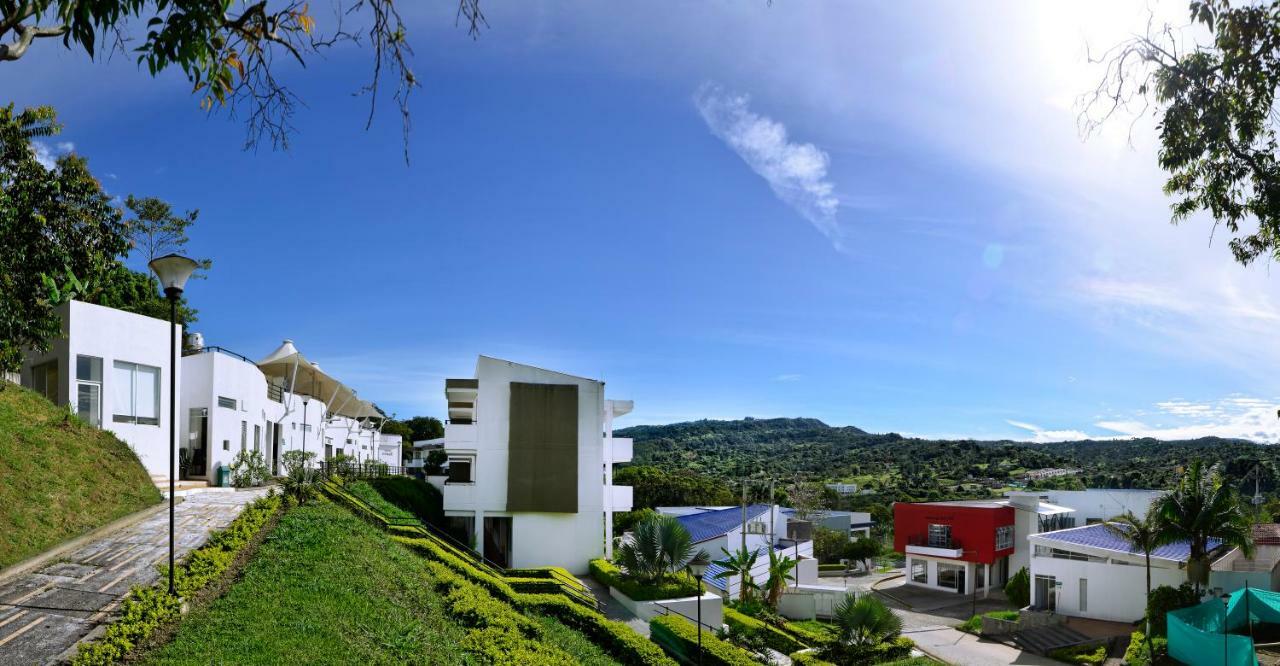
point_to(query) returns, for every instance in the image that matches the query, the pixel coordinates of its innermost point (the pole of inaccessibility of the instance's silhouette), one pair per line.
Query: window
(136, 393)
(229, 403)
(89, 389)
(920, 572)
(44, 379)
(1004, 537)
(949, 575)
(226, 445)
(244, 435)
(940, 536)
(461, 527)
(257, 437)
(460, 470)
(1084, 594)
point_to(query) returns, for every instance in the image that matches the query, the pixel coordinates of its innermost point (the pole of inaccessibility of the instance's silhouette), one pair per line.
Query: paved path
(46, 612)
(960, 649)
(613, 609)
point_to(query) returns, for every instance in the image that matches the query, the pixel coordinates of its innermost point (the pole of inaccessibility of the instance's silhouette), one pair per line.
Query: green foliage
(808, 659)
(59, 477)
(1163, 599)
(147, 608)
(679, 637)
(1018, 588)
(973, 625)
(738, 564)
(829, 545)
(1202, 507)
(296, 459)
(155, 230)
(249, 469)
(770, 635)
(435, 462)
(890, 650)
(418, 497)
(61, 234)
(811, 632)
(1139, 655)
(1084, 655)
(864, 549)
(655, 486)
(672, 585)
(393, 513)
(656, 546)
(781, 572)
(863, 622)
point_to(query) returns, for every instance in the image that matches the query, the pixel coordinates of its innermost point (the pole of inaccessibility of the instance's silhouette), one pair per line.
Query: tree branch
(26, 35)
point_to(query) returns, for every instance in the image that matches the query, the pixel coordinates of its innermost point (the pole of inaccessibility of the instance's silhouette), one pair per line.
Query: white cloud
(1235, 416)
(789, 377)
(48, 155)
(797, 172)
(1040, 435)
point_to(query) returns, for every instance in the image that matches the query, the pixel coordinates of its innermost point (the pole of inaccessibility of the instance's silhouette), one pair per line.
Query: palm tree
(1143, 535)
(739, 563)
(656, 546)
(1200, 508)
(780, 568)
(865, 621)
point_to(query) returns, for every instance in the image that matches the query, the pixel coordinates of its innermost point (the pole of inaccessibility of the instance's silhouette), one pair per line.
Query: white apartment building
(530, 465)
(112, 368)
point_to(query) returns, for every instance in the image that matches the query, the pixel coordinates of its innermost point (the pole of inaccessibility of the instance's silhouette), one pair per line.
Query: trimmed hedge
(679, 637)
(147, 608)
(898, 648)
(672, 587)
(808, 636)
(1137, 655)
(1094, 655)
(808, 659)
(773, 636)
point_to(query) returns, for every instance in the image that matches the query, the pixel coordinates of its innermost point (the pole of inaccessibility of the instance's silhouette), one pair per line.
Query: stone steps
(1042, 640)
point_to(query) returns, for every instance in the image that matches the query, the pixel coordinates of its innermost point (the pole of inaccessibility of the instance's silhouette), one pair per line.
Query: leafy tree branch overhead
(230, 52)
(1214, 100)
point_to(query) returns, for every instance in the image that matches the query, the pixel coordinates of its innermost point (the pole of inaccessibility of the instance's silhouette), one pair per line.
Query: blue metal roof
(711, 524)
(1098, 536)
(712, 569)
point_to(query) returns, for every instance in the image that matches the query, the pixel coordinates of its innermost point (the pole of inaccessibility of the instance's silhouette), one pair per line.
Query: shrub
(147, 608)
(657, 546)
(249, 469)
(771, 635)
(810, 658)
(679, 637)
(295, 458)
(1164, 599)
(1018, 589)
(974, 624)
(435, 462)
(413, 495)
(810, 635)
(1137, 654)
(1086, 655)
(672, 586)
(878, 653)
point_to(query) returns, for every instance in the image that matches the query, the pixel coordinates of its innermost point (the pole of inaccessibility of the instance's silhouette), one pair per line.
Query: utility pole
(773, 534)
(743, 553)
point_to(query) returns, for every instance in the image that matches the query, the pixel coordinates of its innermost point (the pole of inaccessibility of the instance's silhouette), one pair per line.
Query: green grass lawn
(583, 650)
(324, 587)
(60, 478)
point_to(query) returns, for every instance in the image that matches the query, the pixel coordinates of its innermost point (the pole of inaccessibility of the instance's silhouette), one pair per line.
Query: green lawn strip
(324, 588)
(582, 650)
(375, 500)
(59, 477)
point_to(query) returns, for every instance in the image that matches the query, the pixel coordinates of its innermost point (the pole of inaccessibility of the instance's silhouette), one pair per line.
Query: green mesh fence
(1197, 636)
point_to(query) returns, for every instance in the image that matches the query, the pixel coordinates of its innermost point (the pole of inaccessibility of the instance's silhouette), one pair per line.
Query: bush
(974, 624)
(672, 586)
(679, 637)
(810, 632)
(808, 659)
(851, 655)
(147, 608)
(1085, 655)
(249, 469)
(1137, 654)
(413, 495)
(1018, 589)
(1164, 599)
(771, 635)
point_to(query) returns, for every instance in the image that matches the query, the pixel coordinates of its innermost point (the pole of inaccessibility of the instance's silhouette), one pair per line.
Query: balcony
(459, 435)
(618, 498)
(622, 450)
(934, 547)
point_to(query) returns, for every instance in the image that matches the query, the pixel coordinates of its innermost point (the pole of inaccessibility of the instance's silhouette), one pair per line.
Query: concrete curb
(38, 561)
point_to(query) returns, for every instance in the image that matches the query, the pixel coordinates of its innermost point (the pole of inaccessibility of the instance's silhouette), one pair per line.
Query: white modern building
(530, 465)
(112, 368)
(1096, 505)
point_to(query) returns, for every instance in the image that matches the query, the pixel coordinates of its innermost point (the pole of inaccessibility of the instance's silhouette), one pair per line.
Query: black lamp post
(698, 567)
(173, 271)
(1226, 601)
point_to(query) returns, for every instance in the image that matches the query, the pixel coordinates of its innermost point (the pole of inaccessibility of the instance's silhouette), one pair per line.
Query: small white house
(530, 465)
(112, 368)
(759, 528)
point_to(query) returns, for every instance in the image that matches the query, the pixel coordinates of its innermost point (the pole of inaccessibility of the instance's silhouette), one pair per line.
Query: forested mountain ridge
(916, 468)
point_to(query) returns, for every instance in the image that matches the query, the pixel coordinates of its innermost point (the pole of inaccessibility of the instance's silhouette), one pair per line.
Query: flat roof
(1099, 536)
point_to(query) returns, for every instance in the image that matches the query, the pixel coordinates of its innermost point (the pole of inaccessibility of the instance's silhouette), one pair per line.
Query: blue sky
(881, 216)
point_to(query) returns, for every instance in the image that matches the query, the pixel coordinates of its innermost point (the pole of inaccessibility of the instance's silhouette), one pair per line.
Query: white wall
(1102, 503)
(114, 335)
(1115, 592)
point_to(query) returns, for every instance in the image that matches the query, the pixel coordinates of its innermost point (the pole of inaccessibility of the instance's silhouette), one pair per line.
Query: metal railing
(934, 542)
(275, 392)
(363, 470)
(214, 349)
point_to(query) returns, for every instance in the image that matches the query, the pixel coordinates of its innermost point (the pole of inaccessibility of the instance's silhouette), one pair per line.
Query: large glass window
(136, 393)
(462, 528)
(940, 536)
(949, 575)
(89, 389)
(460, 470)
(1084, 595)
(257, 437)
(920, 572)
(1004, 537)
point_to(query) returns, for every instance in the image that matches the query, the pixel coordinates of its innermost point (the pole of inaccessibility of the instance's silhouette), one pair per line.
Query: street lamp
(698, 567)
(173, 271)
(1226, 601)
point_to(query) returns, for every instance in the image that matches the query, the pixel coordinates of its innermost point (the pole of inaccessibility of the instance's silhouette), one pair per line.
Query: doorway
(198, 444)
(274, 436)
(497, 540)
(1045, 598)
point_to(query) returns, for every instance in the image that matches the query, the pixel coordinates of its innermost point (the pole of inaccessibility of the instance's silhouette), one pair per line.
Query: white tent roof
(305, 377)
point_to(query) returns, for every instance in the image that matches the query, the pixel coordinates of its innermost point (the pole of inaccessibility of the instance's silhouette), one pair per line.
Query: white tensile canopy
(305, 377)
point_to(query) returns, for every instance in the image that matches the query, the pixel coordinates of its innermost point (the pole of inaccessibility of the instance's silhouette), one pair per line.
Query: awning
(1047, 509)
(305, 377)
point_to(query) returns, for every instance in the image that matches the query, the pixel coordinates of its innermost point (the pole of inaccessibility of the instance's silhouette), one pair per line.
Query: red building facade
(955, 545)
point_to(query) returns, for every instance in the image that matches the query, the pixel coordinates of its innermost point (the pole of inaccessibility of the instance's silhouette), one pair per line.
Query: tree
(425, 427)
(1215, 105)
(780, 572)
(131, 291)
(658, 545)
(1018, 588)
(1201, 507)
(865, 621)
(864, 550)
(1143, 535)
(653, 486)
(808, 499)
(230, 53)
(739, 563)
(829, 545)
(155, 230)
(61, 233)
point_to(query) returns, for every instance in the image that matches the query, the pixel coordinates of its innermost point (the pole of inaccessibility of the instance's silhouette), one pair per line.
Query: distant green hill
(60, 478)
(915, 468)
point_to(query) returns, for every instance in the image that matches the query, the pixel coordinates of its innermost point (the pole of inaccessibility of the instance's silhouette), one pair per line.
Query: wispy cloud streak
(797, 172)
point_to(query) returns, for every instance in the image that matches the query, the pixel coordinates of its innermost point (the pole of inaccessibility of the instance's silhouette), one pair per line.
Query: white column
(608, 481)
(986, 581)
(479, 530)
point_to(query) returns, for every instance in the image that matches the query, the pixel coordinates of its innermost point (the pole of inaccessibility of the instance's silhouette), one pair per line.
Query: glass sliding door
(497, 540)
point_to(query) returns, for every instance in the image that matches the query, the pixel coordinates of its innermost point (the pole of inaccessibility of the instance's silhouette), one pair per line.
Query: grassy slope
(328, 588)
(60, 478)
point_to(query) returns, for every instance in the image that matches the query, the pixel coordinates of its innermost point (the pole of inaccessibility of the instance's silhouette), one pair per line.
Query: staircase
(1042, 640)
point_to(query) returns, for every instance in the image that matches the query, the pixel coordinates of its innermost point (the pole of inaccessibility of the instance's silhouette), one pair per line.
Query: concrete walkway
(43, 614)
(960, 649)
(612, 608)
